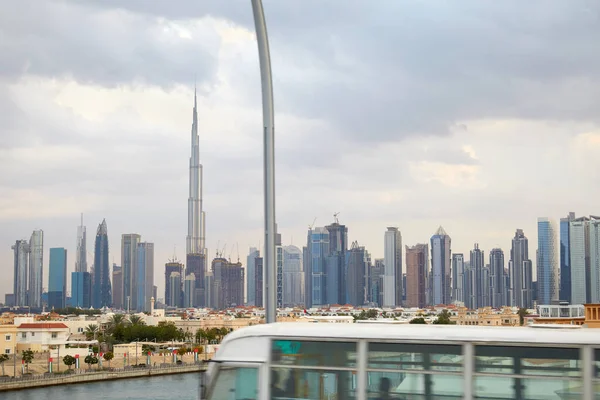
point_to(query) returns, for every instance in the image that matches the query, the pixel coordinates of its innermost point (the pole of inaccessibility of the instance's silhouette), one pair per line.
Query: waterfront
(179, 386)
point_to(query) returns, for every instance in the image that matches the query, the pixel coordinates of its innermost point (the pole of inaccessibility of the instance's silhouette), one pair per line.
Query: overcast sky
(479, 116)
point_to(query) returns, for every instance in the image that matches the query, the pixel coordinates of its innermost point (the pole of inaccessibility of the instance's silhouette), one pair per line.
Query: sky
(480, 116)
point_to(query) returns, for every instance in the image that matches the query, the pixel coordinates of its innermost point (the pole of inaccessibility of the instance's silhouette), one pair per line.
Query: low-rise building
(40, 336)
(8, 339)
(561, 314)
(486, 317)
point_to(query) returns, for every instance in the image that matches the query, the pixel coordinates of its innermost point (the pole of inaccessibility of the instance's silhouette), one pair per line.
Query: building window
(7, 338)
(54, 335)
(79, 330)
(24, 335)
(6, 351)
(32, 333)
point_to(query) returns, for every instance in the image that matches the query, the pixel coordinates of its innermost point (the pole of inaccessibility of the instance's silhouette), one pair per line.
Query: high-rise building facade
(565, 257)
(579, 248)
(189, 290)
(477, 264)
(293, 276)
(228, 283)
(81, 254)
(335, 289)
(440, 267)
(279, 268)
(520, 270)
(497, 279)
(36, 268)
(21, 272)
(356, 275)
(81, 289)
(144, 276)
(117, 286)
(101, 290)
(417, 266)
(173, 299)
(250, 281)
(258, 282)
(129, 245)
(547, 262)
(196, 264)
(594, 235)
(376, 277)
(173, 290)
(392, 261)
(57, 278)
(318, 250)
(458, 278)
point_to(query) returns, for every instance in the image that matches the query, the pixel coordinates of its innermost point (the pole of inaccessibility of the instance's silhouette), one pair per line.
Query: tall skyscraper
(579, 248)
(173, 289)
(440, 267)
(520, 270)
(81, 255)
(594, 259)
(293, 276)
(57, 278)
(173, 299)
(376, 277)
(36, 268)
(101, 293)
(196, 264)
(21, 268)
(565, 257)
(129, 252)
(318, 247)
(228, 283)
(81, 289)
(189, 290)
(392, 261)
(477, 264)
(547, 262)
(195, 242)
(458, 278)
(497, 279)
(258, 282)
(250, 281)
(335, 290)
(117, 286)
(356, 275)
(279, 266)
(417, 266)
(145, 276)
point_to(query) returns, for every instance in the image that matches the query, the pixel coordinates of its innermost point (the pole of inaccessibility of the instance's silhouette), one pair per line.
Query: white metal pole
(269, 266)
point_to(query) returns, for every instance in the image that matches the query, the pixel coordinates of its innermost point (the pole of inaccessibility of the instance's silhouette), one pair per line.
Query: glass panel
(546, 361)
(290, 383)
(235, 384)
(334, 354)
(398, 385)
(487, 387)
(415, 356)
(541, 389)
(597, 363)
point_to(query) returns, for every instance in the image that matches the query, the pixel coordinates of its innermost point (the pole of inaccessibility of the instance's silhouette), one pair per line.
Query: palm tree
(3, 358)
(136, 320)
(90, 331)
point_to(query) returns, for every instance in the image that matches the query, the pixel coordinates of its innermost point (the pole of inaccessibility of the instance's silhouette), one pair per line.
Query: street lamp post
(270, 268)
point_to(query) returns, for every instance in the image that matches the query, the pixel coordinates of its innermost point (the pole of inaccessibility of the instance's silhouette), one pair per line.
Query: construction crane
(335, 217)
(312, 225)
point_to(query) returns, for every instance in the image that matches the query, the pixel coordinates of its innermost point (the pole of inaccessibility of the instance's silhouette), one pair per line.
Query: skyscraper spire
(195, 241)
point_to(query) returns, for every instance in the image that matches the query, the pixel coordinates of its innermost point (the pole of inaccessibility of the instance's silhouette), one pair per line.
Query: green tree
(146, 348)
(91, 331)
(3, 359)
(91, 360)
(69, 361)
(522, 313)
(136, 320)
(443, 318)
(372, 313)
(27, 357)
(419, 320)
(108, 356)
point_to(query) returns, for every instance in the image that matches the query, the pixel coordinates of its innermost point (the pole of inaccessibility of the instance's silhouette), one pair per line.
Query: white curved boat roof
(442, 333)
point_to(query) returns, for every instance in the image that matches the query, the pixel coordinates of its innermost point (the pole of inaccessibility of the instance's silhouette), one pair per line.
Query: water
(166, 387)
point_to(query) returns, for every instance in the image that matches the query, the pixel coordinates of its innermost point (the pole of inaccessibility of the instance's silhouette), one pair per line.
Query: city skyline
(437, 149)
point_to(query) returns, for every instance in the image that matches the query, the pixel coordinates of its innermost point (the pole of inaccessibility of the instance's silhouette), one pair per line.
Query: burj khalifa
(195, 241)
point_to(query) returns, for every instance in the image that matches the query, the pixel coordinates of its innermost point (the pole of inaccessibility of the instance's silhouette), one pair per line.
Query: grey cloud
(57, 39)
